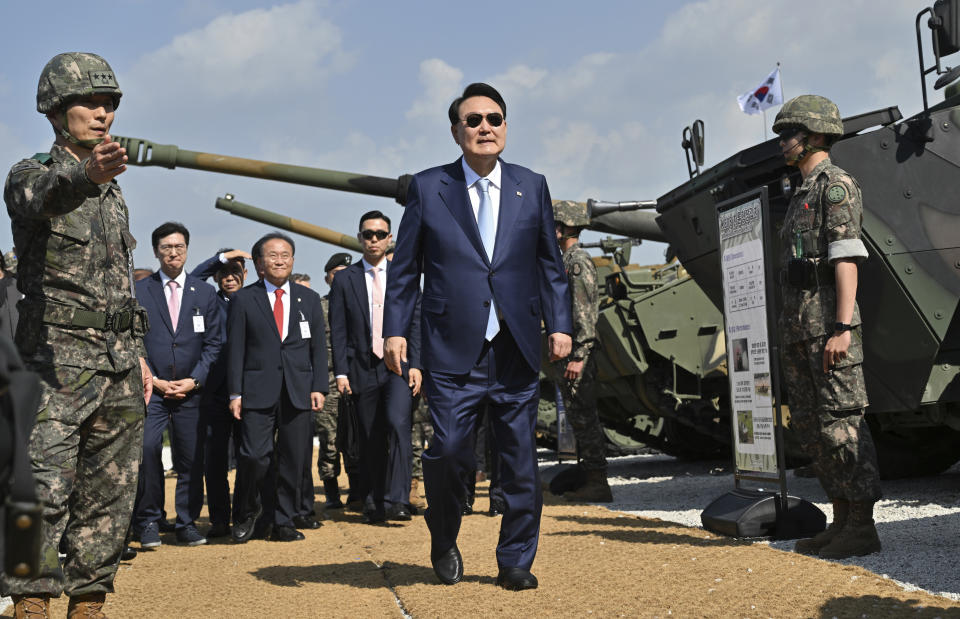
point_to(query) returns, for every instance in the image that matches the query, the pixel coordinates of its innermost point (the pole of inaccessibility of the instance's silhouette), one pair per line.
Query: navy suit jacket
(183, 353)
(350, 329)
(438, 237)
(259, 364)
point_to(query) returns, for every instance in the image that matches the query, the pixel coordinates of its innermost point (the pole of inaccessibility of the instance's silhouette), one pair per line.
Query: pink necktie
(377, 329)
(173, 303)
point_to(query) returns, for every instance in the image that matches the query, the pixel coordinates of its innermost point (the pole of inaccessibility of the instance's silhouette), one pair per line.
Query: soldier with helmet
(579, 371)
(822, 344)
(81, 330)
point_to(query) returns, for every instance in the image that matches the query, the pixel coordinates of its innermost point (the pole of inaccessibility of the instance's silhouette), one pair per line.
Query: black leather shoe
(448, 566)
(496, 508)
(219, 529)
(128, 553)
(262, 531)
(243, 530)
(285, 534)
(374, 517)
(306, 522)
(516, 579)
(467, 509)
(399, 512)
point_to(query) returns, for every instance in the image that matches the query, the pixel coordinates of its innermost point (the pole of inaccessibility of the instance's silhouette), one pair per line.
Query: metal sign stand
(746, 512)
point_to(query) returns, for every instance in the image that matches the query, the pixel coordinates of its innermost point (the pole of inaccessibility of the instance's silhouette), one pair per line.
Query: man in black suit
(383, 399)
(276, 374)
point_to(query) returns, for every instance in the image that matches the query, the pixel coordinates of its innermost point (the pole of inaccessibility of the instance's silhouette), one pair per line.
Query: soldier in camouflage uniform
(579, 371)
(420, 434)
(819, 325)
(81, 330)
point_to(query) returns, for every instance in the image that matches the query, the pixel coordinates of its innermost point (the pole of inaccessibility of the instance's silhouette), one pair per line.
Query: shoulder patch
(26, 164)
(836, 193)
(43, 158)
(576, 270)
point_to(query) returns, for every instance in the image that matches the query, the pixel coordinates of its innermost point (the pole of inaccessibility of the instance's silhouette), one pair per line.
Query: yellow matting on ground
(591, 562)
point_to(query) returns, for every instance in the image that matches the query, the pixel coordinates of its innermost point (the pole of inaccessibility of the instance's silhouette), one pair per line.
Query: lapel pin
(192, 289)
(520, 193)
(298, 299)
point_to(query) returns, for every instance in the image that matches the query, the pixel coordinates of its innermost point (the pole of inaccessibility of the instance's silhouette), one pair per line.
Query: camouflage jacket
(582, 275)
(331, 401)
(823, 222)
(76, 252)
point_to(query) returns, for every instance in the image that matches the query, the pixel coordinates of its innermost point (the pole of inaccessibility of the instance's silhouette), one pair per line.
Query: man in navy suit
(183, 343)
(481, 233)
(384, 401)
(276, 374)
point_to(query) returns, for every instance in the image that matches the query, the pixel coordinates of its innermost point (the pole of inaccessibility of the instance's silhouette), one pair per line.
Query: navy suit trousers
(506, 384)
(186, 442)
(220, 428)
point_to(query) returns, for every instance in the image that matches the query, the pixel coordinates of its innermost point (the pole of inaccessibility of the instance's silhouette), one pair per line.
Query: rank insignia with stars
(836, 193)
(99, 79)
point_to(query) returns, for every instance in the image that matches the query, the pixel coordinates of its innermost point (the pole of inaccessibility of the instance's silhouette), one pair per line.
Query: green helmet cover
(814, 113)
(570, 213)
(70, 76)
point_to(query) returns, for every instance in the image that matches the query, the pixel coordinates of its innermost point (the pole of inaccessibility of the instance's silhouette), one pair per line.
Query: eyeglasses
(369, 234)
(172, 249)
(473, 120)
(789, 132)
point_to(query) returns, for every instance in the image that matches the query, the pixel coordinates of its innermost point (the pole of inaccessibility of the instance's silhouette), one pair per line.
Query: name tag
(198, 324)
(305, 329)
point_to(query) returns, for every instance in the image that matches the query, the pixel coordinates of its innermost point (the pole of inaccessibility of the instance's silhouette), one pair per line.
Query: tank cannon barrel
(227, 203)
(142, 152)
(600, 207)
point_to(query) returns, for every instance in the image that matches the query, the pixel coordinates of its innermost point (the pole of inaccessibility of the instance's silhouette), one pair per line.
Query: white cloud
(441, 84)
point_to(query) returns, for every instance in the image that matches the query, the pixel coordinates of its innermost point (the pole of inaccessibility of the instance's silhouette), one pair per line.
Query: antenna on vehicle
(692, 144)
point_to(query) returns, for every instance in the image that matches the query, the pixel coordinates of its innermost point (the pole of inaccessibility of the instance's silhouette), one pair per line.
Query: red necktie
(278, 311)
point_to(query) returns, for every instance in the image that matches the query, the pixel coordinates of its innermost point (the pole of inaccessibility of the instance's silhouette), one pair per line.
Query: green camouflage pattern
(75, 74)
(826, 415)
(814, 113)
(819, 222)
(76, 252)
(85, 453)
(325, 420)
(570, 213)
(421, 432)
(580, 394)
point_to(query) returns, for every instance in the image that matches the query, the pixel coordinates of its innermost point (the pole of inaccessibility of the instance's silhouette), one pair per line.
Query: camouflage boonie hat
(570, 213)
(814, 113)
(75, 74)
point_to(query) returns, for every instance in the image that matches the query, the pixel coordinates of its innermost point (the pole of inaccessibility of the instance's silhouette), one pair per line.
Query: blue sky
(597, 93)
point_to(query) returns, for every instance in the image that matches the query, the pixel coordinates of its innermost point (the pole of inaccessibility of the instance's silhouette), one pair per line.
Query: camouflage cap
(10, 261)
(337, 260)
(814, 113)
(570, 213)
(75, 74)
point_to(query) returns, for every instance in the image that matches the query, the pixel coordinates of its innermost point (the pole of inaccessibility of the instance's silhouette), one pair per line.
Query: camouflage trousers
(580, 400)
(85, 451)
(826, 413)
(325, 426)
(420, 434)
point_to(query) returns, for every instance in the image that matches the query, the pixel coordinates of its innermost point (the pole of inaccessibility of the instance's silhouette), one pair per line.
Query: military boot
(86, 606)
(331, 490)
(415, 499)
(857, 538)
(594, 490)
(812, 545)
(31, 607)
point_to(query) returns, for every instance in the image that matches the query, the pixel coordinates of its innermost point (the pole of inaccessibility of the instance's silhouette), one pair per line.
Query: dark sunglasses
(789, 132)
(369, 234)
(473, 120)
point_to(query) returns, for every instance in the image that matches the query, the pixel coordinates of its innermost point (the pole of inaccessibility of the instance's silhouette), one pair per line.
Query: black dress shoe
(467, 509)
(285, 534)
(219, 529)
(262, 531)
(306, 522)
(243, 530)
(374, 517)
(448, 566)
(496, 508)
(128, 553)
(399, 512)
(516, 579)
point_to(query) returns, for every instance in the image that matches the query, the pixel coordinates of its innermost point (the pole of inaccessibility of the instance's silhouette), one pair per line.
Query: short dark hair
(168, 228)
(373, 215)
(257, 251)
(477, 89)
(299, 277)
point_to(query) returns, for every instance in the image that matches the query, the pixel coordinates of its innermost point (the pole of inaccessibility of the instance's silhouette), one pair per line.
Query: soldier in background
(81, 330)
(579, 370)
(822, 352)
(300, 278)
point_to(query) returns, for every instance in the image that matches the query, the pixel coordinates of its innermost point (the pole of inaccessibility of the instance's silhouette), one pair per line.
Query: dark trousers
(509, 388)
(186, 443)
(487, 460)
(385, 448)
(270, 461)
(220, 431)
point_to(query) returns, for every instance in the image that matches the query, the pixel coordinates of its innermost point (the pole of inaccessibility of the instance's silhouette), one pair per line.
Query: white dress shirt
(473, 190)
(286, 304)
(181, 282)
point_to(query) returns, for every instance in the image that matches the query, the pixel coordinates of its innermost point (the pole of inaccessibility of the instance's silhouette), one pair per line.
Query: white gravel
(918, 519)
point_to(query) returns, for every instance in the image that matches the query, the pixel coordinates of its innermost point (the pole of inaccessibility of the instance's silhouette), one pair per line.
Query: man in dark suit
(384, 401)
(276, 374)
(183, 342)
(481, 233)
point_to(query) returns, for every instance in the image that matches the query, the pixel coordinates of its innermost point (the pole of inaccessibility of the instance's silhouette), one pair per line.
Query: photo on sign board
(741, 355)
(745, 427)
(761, 384)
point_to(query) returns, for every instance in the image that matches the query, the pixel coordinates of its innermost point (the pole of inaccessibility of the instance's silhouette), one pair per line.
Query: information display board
(747, 317)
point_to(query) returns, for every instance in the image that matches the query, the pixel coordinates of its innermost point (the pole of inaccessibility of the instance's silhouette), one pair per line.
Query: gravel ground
(918, 519)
